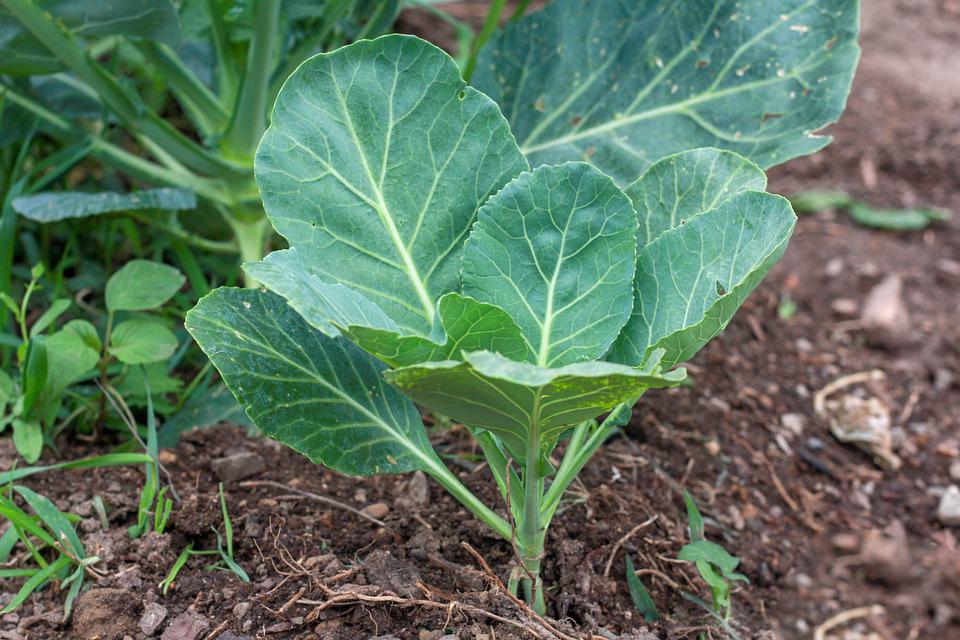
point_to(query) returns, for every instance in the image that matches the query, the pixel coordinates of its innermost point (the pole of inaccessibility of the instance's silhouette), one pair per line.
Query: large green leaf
(22, 54)
(466, 325)
(520, 401)
(692, 279)
(375, 163)
(60, 205)
(69, 356)
(678, 187)
(555, 248)
(322, 396)
(622, 84)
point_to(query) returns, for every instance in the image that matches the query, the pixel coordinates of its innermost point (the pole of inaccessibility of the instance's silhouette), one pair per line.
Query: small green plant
(638, 593)
(527, 256)
(226, 561)
(866, 215)
(715, 565)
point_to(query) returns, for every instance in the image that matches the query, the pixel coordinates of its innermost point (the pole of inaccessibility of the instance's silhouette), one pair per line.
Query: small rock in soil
(885, 316)
(886, 554)
(390, 573)
(241, 610)
(793, 422)
(955, 470)
(230, 635)
(107, 614)
(948, 512)
(153, 616)
(377, 510)
(845, 307)
(186, 626)
(414, 493)
(238, 466)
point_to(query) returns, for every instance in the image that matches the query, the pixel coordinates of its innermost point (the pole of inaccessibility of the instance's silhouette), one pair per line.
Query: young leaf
(641, 599)
(555, 249)
(622, 84)
(28, 439)
(694, 519)
(375, 163)
(706, 551)
(61, 205)
(50, 316)
(35, 370)
(692, 279)
(517, 401)
(69, 357)
(321, 396)
(466, 325)
(55, 521)
(141, 341)
(141, 284)
(676, 188)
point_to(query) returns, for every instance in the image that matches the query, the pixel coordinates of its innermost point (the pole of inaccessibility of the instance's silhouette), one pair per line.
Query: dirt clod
(153, 616)
(238, 466)
(106, 614)
(186, 626)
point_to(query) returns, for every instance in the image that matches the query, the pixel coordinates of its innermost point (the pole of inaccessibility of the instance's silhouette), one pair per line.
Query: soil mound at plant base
(106, 614)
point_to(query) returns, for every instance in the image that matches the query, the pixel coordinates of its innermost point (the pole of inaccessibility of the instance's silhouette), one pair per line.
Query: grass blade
(641, 599)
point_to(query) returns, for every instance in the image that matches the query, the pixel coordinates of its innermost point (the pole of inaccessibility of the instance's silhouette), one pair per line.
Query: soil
(821, 528)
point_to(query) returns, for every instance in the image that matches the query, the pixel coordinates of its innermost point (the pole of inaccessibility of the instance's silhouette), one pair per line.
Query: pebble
(834, 267)
(241, 610)
(885, 316)
(845, 307)
(793, 422)
(238, 466)
(948, 512)
(153, 616)
(955, 470)
(377, 510)
(186, 626)
(415, 492)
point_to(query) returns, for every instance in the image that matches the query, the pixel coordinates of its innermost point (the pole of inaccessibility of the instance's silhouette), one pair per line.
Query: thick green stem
(531, 533)
(493, 19)
(251, 240)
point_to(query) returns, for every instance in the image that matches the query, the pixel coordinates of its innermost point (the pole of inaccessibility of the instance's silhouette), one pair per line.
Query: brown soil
(820, 527)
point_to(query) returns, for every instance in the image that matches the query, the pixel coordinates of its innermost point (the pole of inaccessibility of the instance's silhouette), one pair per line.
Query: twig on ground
(315, 496)
(622, 541)
(820, 633)
(819, 398)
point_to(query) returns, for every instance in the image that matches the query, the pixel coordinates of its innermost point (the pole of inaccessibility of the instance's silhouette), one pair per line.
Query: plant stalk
(251, 240)
(531, 533)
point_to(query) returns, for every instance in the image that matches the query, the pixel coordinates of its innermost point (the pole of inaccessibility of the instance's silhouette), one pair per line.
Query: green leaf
(22, 54)
(141, 285)
(375, 163)
(622, 84)
(140, 341)
(69, 357)
(325, 306)
(466, 325)
(55, 521)
(694, 519)
(712, 553)
(28, 439)
(816, 201)
(896, 219)
(641, 599)
(61, 205)
(107, 460)
(678, 187)
(6, 390)
(555, 248)
(321, 396)
(692, 279)
(86, 331)
(36, 581)
(50, 316)
(517, 400)
(35, 371)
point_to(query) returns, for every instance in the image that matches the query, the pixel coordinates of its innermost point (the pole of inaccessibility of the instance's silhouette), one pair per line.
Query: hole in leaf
(462, 94)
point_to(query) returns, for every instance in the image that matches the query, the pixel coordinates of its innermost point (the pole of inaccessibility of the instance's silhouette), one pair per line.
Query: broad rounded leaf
(141, 285)
(60, 205)
(28, 439)
(678, 187)
(140, 341)
(321, 396)
(622, 84)
(69, 357)
(375, 163)
(692, 279)
(466, 325)
(519, 401)
(556, 249)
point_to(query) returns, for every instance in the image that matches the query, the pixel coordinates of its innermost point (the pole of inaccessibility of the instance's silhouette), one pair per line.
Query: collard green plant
(428, 263)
